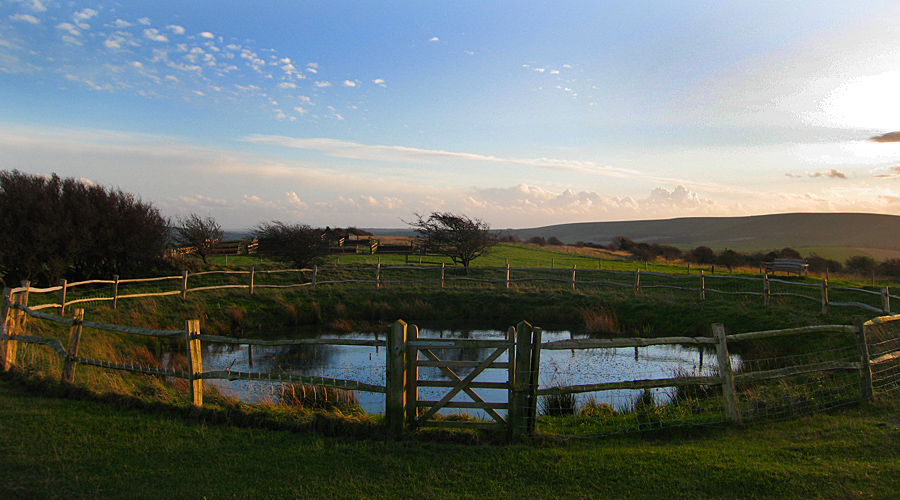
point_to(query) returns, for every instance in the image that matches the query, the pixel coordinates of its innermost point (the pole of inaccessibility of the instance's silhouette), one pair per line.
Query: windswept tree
(56, 228)
(298, 244)
(199, 234)
(454, 235)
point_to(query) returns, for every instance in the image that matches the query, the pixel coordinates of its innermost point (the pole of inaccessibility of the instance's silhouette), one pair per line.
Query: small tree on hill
(199, 233)
(454, 235)
(299, 244)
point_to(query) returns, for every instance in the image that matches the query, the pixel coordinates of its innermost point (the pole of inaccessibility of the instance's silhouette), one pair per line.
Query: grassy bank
(64, 448)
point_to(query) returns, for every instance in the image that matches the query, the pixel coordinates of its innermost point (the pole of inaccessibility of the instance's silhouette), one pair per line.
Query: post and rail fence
(379, 276)
(873, 364)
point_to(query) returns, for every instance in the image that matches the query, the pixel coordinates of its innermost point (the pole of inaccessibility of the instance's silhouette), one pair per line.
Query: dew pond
(367, 365)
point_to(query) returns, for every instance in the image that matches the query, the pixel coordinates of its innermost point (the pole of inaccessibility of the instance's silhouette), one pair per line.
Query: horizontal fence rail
(864, 367)
(700, 285)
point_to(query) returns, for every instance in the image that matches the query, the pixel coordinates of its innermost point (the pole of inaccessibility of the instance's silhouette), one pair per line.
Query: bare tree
(454, 235)
(299, 244)
(199, 233)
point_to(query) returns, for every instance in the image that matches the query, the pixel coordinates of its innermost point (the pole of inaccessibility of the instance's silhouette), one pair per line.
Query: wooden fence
(516, 413)
(702, 285)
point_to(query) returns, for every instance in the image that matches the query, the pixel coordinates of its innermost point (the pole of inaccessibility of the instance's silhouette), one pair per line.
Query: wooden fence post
(533, 380)
(6, 328)
(192, 331)
(13, 326)
(115, 291)
(518, 418)
(637, 281)
(766, 289)
(252, 280)
(511, 394)
(574, 269)
(412, 377)
(184, 277)
(507, 274)
(442, 275)
(395, 377)
(865, 368)
(62, 296)
(315, 276)
(72, 347)
(702, 285)
(378, 274)
(824, 295)
(729, 396)
(885, 300)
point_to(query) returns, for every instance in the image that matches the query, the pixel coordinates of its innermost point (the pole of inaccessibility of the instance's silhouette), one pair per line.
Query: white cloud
(301, 110)
(84, 15)
(121, 24)
(348, 83)
(68, 27)
(379, 82)
(155, 35)
(174, 28)
(287, 85)
(144, 20)
(35, 5)
(346, 149)
(294, 201)
(207, 34)
(323, 84)
(28, 18)
(434, 39)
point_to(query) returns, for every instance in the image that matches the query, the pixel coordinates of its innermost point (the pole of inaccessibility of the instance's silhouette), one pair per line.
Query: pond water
(367, 365)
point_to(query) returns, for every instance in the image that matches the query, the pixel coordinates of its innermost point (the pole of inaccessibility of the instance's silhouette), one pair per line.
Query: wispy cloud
(28, 18)
(352, 150)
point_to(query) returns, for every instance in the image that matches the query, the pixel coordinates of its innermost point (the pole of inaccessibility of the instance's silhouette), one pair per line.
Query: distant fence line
(871, 361)
(699, 285)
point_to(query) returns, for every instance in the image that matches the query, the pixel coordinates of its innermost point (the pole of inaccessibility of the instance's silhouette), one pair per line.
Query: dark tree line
(55, 228)
(704, 255)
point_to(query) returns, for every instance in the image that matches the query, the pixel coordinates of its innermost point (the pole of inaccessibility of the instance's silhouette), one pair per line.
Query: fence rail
(872, 364)
(378, 276)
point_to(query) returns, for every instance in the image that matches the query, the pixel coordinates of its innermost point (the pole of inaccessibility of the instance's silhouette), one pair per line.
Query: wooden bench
(794, 266)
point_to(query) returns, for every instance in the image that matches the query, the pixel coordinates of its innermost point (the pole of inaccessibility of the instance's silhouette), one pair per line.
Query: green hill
(759, 232)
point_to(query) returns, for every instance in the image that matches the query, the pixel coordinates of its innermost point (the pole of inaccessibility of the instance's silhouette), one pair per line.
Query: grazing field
(72, 449)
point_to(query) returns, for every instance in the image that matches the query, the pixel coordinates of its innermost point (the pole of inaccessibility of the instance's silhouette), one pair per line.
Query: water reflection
(367, 365)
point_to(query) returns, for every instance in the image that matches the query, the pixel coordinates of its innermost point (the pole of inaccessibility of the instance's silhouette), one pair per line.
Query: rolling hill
(760, 232)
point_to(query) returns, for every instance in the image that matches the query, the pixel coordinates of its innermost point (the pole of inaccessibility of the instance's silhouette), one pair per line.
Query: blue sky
(520, 113)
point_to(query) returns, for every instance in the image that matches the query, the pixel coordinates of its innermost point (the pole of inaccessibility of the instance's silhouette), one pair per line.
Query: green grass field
(64, 448)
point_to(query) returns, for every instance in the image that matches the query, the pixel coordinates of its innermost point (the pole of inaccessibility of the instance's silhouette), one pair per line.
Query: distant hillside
(759, 232)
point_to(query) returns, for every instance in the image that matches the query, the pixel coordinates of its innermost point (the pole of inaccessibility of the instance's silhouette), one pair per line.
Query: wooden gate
(514, 412)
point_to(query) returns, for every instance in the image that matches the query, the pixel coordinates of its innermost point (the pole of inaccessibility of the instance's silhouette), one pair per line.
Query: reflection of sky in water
(367, 365)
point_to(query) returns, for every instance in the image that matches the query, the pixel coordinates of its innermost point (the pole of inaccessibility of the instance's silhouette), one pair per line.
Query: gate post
(395, 377)
(412, 377)
(728, 393)
(518, 419)
(533, 381)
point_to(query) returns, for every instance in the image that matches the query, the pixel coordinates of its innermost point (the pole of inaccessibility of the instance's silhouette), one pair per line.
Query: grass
(64, 448)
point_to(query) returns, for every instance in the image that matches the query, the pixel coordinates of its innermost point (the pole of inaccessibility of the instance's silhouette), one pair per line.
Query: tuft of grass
(599, 320)
(557, 405)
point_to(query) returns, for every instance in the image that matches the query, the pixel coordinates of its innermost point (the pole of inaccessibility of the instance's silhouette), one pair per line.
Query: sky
(522, 114)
